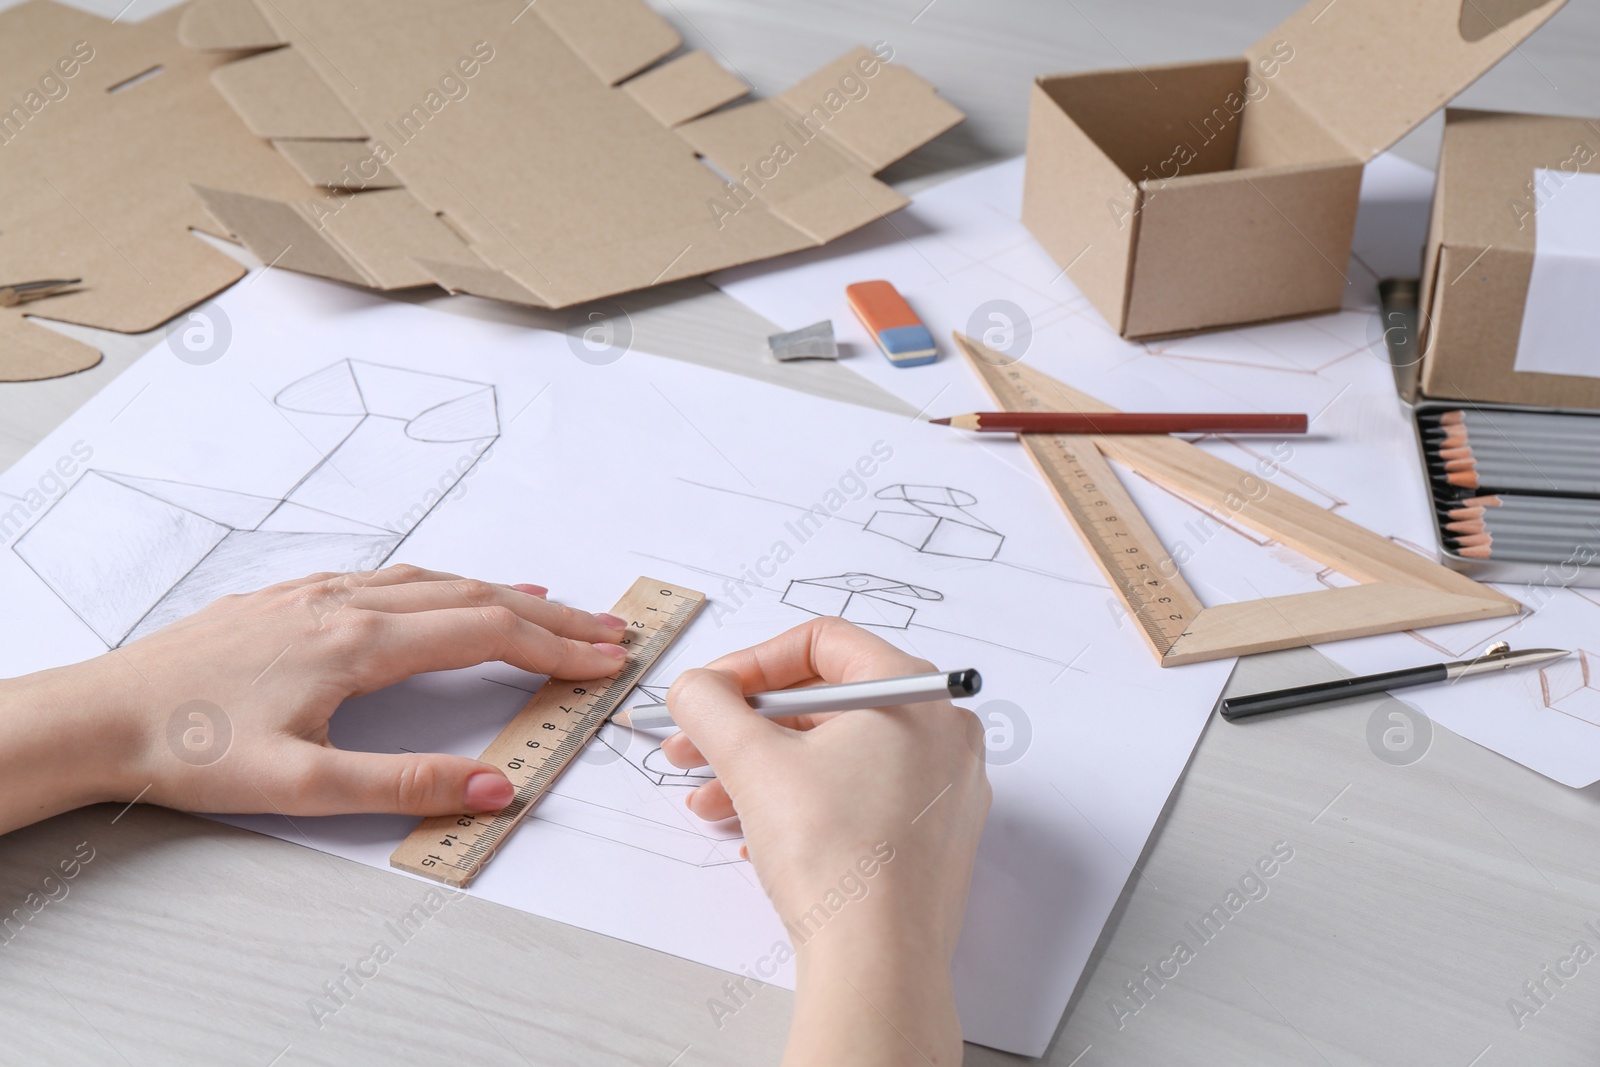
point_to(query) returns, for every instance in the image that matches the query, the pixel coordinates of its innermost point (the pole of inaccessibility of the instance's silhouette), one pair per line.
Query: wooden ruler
(552, 728)
(1396, 589)
(1130, 555)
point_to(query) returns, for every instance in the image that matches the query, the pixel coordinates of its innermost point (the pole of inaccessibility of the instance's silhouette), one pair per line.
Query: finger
(398, 574)
(470, 593)
(395, 574)
(334, 781)
(342, 584)
(680, 750)
(711, 802)
(297, 583)
(830, 650)
(709, 707)
(385, 648)
(681, 753)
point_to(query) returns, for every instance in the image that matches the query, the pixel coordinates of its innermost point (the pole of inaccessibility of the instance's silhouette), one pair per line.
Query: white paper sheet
(1561, 317)
(962, 258)
(1547, 718)
(323, 416)
(960, 249)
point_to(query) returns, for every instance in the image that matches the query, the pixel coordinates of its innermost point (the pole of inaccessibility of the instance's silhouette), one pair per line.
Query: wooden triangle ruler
(1399, 589)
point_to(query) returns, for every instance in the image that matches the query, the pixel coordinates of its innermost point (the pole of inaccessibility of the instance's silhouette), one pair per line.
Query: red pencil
(1123, 422)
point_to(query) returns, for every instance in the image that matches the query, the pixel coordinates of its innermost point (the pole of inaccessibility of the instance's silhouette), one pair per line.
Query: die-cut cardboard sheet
(546, 154)
(103, 126)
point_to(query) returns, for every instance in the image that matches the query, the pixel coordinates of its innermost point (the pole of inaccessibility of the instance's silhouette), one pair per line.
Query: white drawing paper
(340, 430)
(960, 250)
(1546, 718)
(1561, 318)
(963, 260)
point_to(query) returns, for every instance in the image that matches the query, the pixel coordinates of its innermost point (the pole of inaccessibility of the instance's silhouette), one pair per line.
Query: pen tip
(940, 422)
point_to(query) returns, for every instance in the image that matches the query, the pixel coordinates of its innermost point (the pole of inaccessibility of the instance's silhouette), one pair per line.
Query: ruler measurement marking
(420, 853)
(1117, 535)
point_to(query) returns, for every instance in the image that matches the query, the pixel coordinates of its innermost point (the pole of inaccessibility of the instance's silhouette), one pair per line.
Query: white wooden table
(1419, 899)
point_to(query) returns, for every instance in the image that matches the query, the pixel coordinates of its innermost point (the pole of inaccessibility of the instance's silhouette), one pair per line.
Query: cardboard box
(1212, 194)
(103, 125)
(543, 154)
(1487, 212)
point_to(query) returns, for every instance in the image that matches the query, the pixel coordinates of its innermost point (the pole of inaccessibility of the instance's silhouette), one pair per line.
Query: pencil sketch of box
(864, 599)
(129, 554)
(937, 523)
(1572, 686)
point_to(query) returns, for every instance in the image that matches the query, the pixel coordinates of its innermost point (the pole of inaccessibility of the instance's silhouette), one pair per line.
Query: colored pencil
(1514, 485)
(1480, 420)
(1514, 501)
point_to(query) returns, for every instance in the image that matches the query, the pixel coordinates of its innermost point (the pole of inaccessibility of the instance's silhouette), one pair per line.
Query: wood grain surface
(1418, 900)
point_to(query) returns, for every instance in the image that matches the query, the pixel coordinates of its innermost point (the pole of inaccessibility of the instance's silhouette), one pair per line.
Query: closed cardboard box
(1203, 195)
(1515, 214)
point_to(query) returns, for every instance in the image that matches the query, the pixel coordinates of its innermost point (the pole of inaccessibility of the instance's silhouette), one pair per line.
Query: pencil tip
(940, 422)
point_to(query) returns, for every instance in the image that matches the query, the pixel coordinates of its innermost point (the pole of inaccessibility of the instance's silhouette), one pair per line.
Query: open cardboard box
(542, 154)
(1211, 194)
(1488, 207)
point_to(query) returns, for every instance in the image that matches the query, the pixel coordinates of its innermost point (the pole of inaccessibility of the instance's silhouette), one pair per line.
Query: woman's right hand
(863, 827)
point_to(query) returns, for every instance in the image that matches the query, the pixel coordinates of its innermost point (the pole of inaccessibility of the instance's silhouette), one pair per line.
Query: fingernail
(487, 791)
(610, 621)
(610, 649)
(532, 590)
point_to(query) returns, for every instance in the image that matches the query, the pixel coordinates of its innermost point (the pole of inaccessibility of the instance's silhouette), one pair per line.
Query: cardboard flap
(1480, 18)
(349, 165)
(875, 111)
(280, 234)
(1371, 70)
(833, 208)
(382, 231)
(36, 352)
(493, 133)
(277, 94)
(811, 183)
(685, 88)
(104, 126)
(226, 26)
(616, 38)
(480, 279)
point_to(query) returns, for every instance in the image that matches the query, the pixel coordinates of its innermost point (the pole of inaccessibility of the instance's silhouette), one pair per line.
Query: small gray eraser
(810, 342)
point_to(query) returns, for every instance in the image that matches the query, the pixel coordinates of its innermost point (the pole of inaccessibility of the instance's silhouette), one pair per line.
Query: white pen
(782, 703)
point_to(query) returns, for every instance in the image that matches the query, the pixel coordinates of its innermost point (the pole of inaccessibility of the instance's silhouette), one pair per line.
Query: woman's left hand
(261, 674)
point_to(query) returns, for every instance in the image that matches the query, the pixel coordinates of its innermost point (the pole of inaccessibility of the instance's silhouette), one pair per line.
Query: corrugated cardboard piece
(542, 154)
(95, 163)
(1480, 256)
(1211, 194)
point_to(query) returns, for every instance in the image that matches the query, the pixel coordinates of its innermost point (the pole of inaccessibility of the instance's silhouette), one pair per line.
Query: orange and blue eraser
(886, 315)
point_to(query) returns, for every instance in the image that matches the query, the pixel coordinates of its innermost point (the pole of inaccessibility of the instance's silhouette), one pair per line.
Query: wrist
(62, 746)
(877, 990)
(877, 930)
